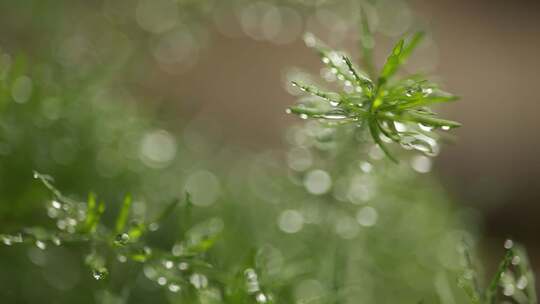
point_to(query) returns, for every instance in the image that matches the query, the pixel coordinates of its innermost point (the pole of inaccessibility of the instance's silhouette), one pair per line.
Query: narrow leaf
(376, 134)
(122, 218)
(328, 96)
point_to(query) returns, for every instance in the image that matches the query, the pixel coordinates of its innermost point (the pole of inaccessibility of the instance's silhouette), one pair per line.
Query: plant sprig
(80, 222)
(513, 278)
(393, 110)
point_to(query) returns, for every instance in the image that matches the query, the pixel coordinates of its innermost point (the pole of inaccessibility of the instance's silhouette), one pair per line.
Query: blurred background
(212, 73)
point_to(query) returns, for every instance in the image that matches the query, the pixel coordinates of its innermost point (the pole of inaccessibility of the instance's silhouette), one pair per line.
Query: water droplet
(121, 258)
(122, 239)
(400, 127)
(508, 290)
(162, 281)
(516, 260)
(250, 274)
(366, 167)
(61, 224)
(174, 288)
(56, 204)
(310, 40)
(41, 245)
(7, 240)
(425, 128)
(420, 143)
(522, 282)
(252, 280)
(508, 244)
(427, 91)
(100, 273)
(421, 164)
(326, 60)
(153, 227)
(288, 111)
(303, 116)
(183, 266)
(56, 240)
(445, 128)
(168, 264)
(334, 116)
(261, 297)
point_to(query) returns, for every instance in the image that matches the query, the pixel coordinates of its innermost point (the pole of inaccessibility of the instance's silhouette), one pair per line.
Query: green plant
(392, 111)
(514, 278)
(333, 227)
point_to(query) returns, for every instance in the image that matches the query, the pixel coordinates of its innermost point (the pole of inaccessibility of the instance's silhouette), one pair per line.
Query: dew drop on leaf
(162, 281)
(41, 245)
(174, 287)
(261, 298)
(100, 274)
(122, 239)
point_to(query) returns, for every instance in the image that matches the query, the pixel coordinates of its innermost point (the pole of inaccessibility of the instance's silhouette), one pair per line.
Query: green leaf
(303, 110)
(170, 208)
(491, 292)
(425, 101)
(376, 135)
(411, 46)
(398, 57)
(364, 82)
(428, 120)
(122, 218)
(392, 63)
(313, 90)
(468, 281)
(93, 214)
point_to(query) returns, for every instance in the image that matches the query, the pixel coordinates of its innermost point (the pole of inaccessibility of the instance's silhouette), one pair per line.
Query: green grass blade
(491, 292)
(93, 215)
(398, 57)
(122, 218)
(392, 63)
(412, 45)
(469, 281)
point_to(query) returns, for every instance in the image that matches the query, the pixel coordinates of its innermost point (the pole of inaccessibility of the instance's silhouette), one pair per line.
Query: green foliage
(514, 278)
(393, 111)
(78, 222)
(331, 227)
